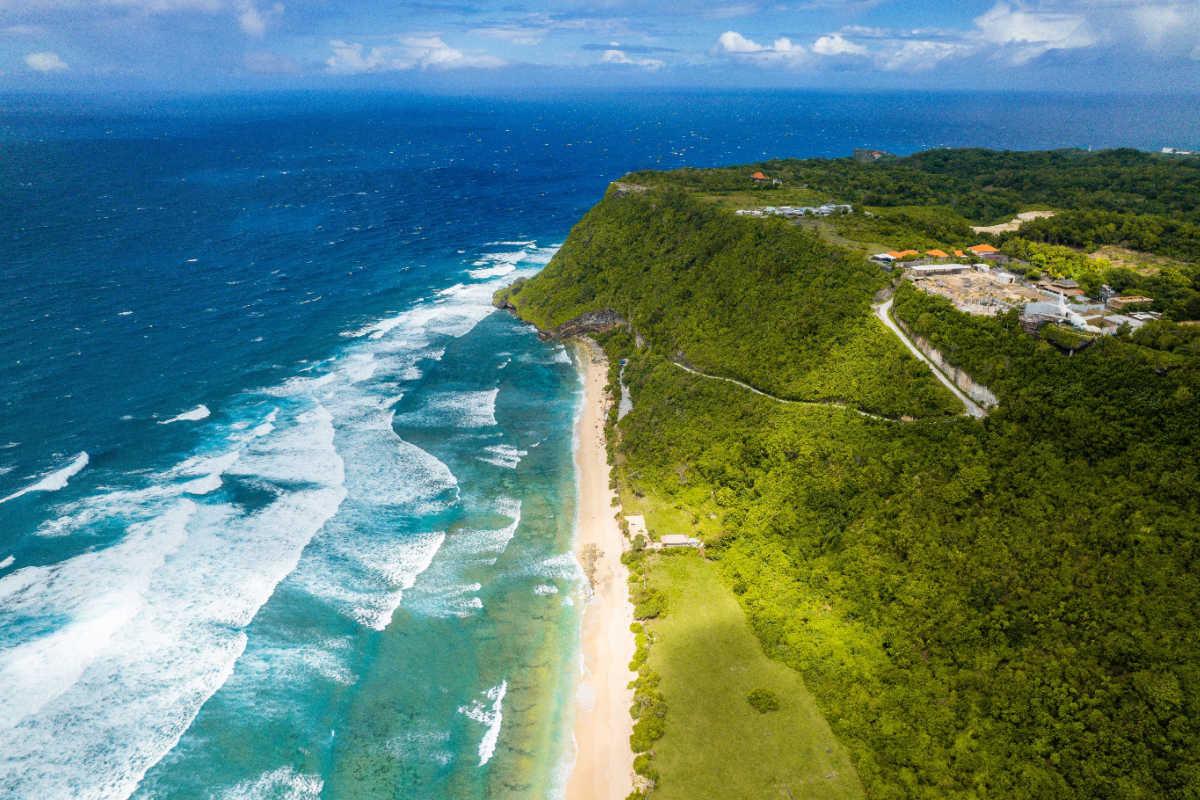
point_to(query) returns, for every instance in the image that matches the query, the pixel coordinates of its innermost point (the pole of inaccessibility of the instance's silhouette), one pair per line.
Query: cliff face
(976, 391)
(600, 321)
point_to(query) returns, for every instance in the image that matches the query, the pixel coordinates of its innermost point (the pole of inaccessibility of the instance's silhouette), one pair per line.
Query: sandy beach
(603, 764)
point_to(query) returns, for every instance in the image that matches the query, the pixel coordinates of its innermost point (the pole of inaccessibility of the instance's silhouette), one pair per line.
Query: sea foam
(53, 481)
(491, 715)
(198, 413)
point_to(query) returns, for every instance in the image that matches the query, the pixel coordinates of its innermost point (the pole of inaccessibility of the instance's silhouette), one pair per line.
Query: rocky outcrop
(600, 321)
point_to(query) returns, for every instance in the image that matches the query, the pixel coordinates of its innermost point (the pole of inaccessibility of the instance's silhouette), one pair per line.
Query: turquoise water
(286, 507)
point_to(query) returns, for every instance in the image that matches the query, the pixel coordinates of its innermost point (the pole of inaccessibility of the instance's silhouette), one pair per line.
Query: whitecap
(198, 413)
(53, 481)
(7, 562)
(502, 455)
(492, 716)
(468, 409)
(545, 589)
(283, 783)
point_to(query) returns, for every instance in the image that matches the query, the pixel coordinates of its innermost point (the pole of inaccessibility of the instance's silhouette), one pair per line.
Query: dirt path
(826, 403)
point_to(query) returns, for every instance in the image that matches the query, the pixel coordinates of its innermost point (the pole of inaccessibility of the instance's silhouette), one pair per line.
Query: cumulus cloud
(917, 55)
(621, 57)
(252, 21)
(410, 53)
(1033, 33)
(740, 48)
(837, 45)
(45, 62)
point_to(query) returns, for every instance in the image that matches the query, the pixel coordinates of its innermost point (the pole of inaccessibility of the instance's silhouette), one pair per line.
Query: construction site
(981, 290)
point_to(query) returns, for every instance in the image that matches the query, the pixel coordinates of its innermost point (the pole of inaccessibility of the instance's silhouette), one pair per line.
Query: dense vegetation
(983, 185)
(983, 609)
(758, 300)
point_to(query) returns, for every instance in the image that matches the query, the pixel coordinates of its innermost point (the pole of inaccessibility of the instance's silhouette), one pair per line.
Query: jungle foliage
(983, 609)
(757, 300)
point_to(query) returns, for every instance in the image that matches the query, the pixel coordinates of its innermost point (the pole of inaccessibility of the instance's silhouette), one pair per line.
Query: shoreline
(603, 768)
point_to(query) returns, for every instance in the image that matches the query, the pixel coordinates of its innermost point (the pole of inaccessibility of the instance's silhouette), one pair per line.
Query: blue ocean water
(286, 508)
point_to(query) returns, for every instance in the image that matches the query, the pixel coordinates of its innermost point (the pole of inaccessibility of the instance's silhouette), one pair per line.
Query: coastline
(603, 766)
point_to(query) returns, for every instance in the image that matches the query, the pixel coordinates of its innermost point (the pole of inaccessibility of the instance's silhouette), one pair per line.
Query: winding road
(884, 312)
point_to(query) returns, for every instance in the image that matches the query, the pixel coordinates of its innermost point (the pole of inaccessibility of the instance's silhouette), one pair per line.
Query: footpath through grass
(716, 744)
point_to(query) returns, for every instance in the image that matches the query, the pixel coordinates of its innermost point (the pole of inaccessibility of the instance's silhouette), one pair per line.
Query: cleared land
(716, 745)
(1012, 224)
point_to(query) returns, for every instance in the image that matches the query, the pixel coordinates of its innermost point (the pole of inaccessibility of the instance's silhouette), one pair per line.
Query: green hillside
(997, 608)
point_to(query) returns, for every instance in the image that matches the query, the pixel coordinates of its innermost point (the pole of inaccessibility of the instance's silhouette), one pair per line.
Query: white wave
(7, 562)
(561, 356)
(283, 783)
(492, 717)
(399, 565)
(545, 589)
(205, 485)
(199, 412)
(513, 244)
(492, 272)
(154, 622)
(502, 455)
(5, 470)
(53, 481)
(469, 409)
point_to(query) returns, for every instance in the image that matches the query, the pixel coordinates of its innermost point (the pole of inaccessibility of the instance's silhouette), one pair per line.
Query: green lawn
(716, 745)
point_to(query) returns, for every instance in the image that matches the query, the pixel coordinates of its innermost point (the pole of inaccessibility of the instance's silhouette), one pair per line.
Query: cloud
(836, 45)
(733, 45)
(254, 22)
(918, 55)
(1033, 33)
(45, 62)
(411, 52)
(620, 57)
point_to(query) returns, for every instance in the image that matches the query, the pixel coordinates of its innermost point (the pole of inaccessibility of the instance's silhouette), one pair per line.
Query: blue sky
(449, 45)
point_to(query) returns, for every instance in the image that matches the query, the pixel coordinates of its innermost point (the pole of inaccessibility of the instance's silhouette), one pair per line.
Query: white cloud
(254, 22)
(837, 45)
(738, 47)
(45, 62)
(729, 12)
(411, 52)
(917, 55)
(621, 57)
(1033, 33)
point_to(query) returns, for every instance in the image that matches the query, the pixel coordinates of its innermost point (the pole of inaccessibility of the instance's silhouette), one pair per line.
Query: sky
(469, 45)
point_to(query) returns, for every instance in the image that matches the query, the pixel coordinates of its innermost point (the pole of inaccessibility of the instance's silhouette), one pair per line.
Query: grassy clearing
(716, 744)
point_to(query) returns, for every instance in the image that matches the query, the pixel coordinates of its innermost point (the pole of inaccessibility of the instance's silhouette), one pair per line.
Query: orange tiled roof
(980, 249)
(959, 253)
(937, 253)
(904, 253)
(758, 176)
(895, 254)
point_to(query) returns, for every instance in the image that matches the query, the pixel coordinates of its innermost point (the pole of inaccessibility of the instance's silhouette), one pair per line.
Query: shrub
(763, 700)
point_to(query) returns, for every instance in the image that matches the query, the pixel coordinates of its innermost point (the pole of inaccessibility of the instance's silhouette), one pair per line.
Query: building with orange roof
(758, 176)
(982, 249)
(937, 253)
(904, 253)
(959, 254)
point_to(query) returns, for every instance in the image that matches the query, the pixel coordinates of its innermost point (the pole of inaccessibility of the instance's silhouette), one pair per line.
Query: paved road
(884, 312)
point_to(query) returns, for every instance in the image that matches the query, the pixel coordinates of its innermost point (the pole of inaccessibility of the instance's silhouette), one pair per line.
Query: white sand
(604, 763)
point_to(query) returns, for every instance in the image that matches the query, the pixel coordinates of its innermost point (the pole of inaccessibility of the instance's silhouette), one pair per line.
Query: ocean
(286, 508)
